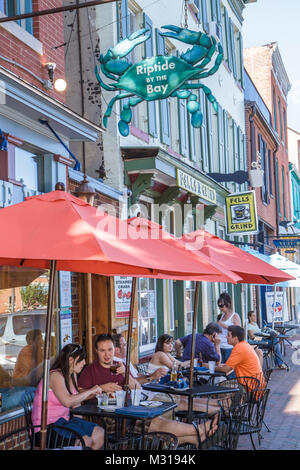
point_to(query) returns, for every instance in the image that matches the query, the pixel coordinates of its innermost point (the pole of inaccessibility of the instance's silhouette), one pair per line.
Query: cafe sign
(159, 77)
(194, 186)
(241, 214)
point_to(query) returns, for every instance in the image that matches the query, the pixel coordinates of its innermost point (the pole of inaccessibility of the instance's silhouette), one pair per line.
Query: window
(147, 315)
(277, 186)
(169, 322)
(189, 297)
(26, 168)
(285, 126)
(264, 166)
(274, 110)
(23, 312)
(280, 120)
(270, 172)
(151, 105)
(164, 111)
(283, 192)
(18, 7)
(203, 129)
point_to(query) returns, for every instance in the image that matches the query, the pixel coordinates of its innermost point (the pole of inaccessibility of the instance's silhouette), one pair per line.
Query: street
(283, 409)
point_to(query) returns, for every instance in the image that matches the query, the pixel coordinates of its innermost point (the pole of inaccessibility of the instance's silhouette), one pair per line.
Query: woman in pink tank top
(64, 394)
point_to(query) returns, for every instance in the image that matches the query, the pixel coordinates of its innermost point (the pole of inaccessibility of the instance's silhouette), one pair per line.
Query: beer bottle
(200, 362)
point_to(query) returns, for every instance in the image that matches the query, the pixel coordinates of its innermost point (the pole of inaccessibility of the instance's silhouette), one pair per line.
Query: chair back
(160, 441)
(59, 437)
(27, 401)
(142, 368)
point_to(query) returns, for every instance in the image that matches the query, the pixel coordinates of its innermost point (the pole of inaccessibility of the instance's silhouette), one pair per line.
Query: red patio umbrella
(250, 269)
(61, 232)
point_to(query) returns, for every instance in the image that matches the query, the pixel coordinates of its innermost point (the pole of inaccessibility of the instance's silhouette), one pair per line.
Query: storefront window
(147, 315)
(23, 311)
(189, 296)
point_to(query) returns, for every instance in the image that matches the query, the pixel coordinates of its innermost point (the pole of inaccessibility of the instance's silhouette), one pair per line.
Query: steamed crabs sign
(159, 77)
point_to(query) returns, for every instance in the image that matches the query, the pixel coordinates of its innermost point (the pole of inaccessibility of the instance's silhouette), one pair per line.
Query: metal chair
(142, 368)
(58, 437)
(254, 417)
(27, 401)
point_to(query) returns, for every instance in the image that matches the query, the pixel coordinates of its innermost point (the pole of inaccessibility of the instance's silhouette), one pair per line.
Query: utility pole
(52, 11)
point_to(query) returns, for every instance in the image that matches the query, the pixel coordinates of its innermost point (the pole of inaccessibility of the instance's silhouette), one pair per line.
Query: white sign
(123, 286)
(65, 292)
(280, 307)
(66, 327)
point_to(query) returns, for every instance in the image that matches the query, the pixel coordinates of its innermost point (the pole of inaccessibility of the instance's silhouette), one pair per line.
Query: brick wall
(10, 426)
(48, 30)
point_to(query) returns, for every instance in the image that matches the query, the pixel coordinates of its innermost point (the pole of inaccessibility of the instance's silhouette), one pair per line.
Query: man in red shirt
(99, 373)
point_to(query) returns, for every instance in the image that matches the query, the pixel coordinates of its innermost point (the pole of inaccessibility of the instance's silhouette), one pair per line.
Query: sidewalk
(283, 408)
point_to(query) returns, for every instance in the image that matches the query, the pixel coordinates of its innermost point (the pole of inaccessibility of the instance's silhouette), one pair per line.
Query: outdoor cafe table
(190, 393)
(272, 338)
(130, 412)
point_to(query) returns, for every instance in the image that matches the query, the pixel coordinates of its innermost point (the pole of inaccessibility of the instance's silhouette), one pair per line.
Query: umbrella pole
(47, 353)
(128, 352)
(196, 301)
(274, 307)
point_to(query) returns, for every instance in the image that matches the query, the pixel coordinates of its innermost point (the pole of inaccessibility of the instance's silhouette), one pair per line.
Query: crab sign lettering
(159, 77)
(157, 89)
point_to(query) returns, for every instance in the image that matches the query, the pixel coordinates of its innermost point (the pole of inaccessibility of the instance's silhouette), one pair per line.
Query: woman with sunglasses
(227, 318)
(64, 394)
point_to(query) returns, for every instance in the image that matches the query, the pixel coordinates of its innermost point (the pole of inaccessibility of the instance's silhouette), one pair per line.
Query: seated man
(98, 373)
(243, 358)
(207, 343)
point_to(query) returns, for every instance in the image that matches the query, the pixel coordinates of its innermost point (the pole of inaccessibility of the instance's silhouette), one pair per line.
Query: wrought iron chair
(58, 437)
(142, 368)
(27, 401)
(254, 417)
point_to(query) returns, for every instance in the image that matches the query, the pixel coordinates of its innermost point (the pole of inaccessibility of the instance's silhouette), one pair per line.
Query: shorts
(79, 425)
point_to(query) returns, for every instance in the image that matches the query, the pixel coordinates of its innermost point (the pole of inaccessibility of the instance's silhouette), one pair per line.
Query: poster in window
(66, 326)
(123, 287)
(65, 292)
(279, 308)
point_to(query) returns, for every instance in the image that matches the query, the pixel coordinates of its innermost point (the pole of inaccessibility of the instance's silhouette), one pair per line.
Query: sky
(278, 20)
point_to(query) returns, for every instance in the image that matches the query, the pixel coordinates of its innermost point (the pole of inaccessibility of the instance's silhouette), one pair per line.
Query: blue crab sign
(159, 77)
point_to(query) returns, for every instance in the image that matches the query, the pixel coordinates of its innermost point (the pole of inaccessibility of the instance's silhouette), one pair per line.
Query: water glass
(211, 366)
(120, 397)
(136, 396)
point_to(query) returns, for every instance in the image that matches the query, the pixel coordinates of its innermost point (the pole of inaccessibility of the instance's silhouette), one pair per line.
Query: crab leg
(110, 105)
(106, 87)
(206, 90)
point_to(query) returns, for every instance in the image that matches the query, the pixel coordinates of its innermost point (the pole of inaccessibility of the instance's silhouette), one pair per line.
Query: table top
(268, 335)
(197, 391)
(284, 326)
(135, 412)
(217, 373)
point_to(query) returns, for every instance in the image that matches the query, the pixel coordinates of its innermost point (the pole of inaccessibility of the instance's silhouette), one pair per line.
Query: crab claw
(127, 45)
(182, 34)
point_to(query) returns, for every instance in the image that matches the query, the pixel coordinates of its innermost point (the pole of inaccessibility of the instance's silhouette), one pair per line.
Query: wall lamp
(59, 84)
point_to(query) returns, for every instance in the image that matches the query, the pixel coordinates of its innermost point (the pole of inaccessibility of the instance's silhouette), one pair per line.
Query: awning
(282, 263)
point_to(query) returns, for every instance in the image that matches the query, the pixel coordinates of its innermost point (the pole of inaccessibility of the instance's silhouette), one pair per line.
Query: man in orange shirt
(243, 359)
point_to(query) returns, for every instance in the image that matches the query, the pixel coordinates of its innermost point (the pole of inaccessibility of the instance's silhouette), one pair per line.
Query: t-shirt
(203, 345)
(244, 360)
(95, 374)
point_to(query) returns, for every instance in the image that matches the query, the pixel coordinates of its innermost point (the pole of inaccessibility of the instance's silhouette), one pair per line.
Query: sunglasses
(221, 305)
(76, 349)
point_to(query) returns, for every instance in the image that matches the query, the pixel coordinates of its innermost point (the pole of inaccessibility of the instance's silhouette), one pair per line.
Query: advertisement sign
(66, 326)
(279, 307)
(123, 286)
(194, 186)
(65, 304)
(241, 214)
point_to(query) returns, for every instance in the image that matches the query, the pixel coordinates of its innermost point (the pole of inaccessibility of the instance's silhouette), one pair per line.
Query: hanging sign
(241, 213)
(123, 286)
(287, 242)
(159, 77)
(194, 186)
(278, 308)
(66, 326)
